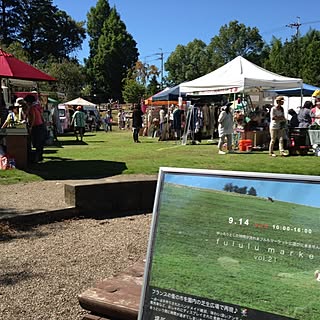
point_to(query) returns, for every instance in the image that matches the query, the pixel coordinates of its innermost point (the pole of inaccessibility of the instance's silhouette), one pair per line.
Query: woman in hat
(225, 128)
(277, 126)
(79, 122)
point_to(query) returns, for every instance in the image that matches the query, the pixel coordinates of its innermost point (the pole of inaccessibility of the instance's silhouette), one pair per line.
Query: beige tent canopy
(79, 102)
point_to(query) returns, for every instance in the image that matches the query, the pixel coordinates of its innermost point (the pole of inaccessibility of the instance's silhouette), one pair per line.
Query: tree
(187, 62)
(275, 61)
(153, 86)
(96, 18)
(252, 192)
(70, 75)
(243, 190)
(235, 40)
(17, 50)
(310, 59)
(143, 71)
(228, 187)
(8, 21)
(41, 28)
(113, 52)
(133, 91)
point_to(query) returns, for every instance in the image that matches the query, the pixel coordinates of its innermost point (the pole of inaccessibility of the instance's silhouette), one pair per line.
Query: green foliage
(153, 86)
(9, 20)
(96, 18)
(17, 50)
(297, 57)
(133, 91)
(113, 51)
(234, 40)
(70, 75)
(143, 71)
(229, 187)
(196, 58)
(41, 28)
(187, 62)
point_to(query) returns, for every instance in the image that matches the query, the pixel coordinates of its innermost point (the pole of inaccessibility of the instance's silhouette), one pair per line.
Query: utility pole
(160, 55)
(295, 25)
(161, 58)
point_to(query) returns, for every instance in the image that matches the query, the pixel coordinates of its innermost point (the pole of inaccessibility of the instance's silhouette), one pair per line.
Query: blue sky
(159, 26)
(301, 193)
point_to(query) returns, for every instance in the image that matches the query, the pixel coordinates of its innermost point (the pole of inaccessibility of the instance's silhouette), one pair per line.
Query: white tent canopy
(79, 102)
(236, 76)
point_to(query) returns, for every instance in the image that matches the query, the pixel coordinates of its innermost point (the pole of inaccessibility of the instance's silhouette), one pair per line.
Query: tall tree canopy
(9, 18)
(188, 62)
(196, 58)
(113, 51)
(297, 57)
(235, 40)
(71, 77)
(41, 28)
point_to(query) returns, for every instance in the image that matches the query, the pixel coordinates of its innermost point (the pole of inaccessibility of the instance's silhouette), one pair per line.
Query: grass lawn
(106, 154)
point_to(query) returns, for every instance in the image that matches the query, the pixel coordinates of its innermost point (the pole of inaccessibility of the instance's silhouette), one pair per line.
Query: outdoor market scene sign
(233, 245)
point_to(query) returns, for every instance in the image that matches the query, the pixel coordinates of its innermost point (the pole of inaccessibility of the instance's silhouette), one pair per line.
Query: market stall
(14, 141)
(240, 80)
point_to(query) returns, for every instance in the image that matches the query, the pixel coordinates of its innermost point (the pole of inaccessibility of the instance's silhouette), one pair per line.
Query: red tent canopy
(11, 67)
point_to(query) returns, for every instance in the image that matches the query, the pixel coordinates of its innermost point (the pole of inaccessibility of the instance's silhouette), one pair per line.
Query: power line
(161, 58)
(295, 25)
(298, 24)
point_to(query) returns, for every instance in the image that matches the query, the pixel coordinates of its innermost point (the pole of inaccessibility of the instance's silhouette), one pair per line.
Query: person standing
(37, 126)
(277, 127)
(56, 124)
(304, 115)
(12, 118)
(136, 122)
(225, 128)
(79, 123)
(162, 114)
(108, 121)
(177, 122)
(315, 112)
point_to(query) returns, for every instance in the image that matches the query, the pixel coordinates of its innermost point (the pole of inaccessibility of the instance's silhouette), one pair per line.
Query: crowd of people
(171, 123)
(308, 116)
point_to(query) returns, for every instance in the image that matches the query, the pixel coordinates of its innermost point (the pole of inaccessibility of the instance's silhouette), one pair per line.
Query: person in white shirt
(225, 128)
(277, 127)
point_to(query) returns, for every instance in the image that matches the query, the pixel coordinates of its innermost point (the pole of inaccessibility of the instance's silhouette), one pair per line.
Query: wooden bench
(117, 297)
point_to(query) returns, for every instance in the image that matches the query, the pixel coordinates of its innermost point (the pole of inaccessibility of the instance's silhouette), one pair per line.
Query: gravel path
(44, 268)
(32, 197)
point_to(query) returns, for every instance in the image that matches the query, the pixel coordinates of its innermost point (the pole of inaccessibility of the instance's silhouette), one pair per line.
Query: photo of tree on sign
(258, 250)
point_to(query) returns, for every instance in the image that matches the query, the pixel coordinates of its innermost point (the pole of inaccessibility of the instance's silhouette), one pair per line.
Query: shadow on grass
(72, 143)
(68, 169)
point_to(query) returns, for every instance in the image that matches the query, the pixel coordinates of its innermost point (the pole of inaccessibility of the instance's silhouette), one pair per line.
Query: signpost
(233, 246)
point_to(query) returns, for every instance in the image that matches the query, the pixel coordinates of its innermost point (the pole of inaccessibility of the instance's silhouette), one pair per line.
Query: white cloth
(225, 121)
(161, 115)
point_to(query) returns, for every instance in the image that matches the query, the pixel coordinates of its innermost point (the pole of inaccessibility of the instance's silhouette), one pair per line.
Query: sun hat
(278, 98)
(19, 102)
(316, 94)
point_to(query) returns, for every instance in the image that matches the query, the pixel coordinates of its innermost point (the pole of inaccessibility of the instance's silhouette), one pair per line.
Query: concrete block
(122, 194)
